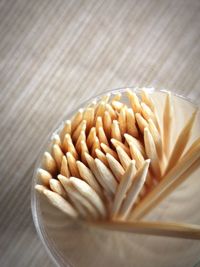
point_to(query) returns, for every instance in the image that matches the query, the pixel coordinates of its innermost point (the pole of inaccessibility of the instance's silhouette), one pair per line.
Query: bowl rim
(35, 207)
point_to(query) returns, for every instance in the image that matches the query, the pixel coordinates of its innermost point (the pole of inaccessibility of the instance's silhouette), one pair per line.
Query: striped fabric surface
(55, 54)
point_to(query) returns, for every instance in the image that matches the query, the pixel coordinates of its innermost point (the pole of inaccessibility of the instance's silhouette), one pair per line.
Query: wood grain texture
(55, 54)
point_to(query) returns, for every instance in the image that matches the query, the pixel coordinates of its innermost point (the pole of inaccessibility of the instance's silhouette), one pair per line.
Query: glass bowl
(76, 244)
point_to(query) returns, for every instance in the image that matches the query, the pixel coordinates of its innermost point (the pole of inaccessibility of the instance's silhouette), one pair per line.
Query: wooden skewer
(142, 123)
(57, 154)
(76, 133)
(100, 155)
(40, 188)
(96, 145)
(93, 104)
(168, 229)
(49, 163)
(147, 100)
(117, 97)
(102, 136)
(135, 104)
(181, 142)
(64, 169)
(88, 176)
(123, 187)
(136, 155)
(134, 190)
(149, 114)
(167, 124)
(106, 98)
(82, 137)
(122, 121)
(100, 109)
(59, 202)
(117, 105)
(152, 153)
(65, 130)
(72, 165)
(76, 120)
(115, 131)
(43, 176)
(107, 149)
(86, 191)
(89, 117)
(81, 210)
(107, 121)
(174, 185)
(57, 187)
(115, 167)
(118, 143)
(157, 138)
(84, 149)
(111, 111)
(130, 123)
(91, 137)
(106, 178)
(123, 157)
(132, 140)
(99, 123)
(73, 193)
(56, 140)
(185, 163)
(68, 146)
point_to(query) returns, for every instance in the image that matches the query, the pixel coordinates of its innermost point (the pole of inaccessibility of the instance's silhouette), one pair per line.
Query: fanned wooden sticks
(110, 164)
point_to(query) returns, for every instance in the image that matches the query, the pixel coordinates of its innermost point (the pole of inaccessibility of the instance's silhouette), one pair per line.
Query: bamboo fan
(111, 164)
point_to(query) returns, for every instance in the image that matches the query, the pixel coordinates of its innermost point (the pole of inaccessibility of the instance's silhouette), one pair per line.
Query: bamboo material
(72, 165)
(80, 127)
(76, 120)
(147, 100)
(122, 188)
(59, 202)
(135, 104)
(91, 136)
(122, 120)
(152, 153)
(132, 140)
(106, 178)
(134, 190)
(117, 143)
(181, 142)
(90, 194)
(88, 176)
(57, 187)
(167, 124)
(142, 123)
(100, 155)
(49, 163)
(115, 131)
(111, 111)
(168, 229)
(130, 123)
(107, 121)
(173, 186)
(185, 163)
(43, 176)
(123, 157)
(102, 136)
(68, 146)
(115, 167)
(67, 129)
(109, 150)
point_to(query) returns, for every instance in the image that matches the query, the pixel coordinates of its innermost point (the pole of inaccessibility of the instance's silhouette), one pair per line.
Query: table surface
(55, 54)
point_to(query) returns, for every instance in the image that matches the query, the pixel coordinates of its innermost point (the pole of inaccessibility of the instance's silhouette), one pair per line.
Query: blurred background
(54, 55)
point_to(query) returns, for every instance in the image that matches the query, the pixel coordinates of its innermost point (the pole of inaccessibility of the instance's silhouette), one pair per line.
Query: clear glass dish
(72, 243)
